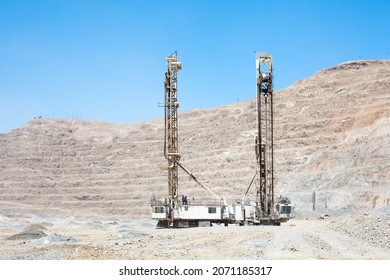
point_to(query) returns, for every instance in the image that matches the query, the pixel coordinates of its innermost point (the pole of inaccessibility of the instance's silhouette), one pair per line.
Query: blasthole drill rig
(174, 211)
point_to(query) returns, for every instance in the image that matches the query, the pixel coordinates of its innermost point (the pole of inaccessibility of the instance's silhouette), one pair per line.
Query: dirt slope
(332, 132)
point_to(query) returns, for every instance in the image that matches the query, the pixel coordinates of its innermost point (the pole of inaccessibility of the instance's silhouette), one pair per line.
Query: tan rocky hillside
(331, 133)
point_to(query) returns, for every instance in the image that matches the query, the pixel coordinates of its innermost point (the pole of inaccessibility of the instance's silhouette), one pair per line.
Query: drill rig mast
(268, 212)
(171, 140)
(264, 137)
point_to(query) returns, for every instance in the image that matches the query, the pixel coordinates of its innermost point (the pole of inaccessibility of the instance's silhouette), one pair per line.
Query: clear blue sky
(105, 60)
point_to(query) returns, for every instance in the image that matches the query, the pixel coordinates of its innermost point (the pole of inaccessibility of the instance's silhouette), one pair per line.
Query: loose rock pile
(373, 229)
(34, 231)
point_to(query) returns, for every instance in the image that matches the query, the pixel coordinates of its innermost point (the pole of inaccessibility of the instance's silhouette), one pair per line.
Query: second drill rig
(267, 212)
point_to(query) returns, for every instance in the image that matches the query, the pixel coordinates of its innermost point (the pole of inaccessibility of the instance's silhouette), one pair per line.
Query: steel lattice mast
(171, 141)
(264, 137)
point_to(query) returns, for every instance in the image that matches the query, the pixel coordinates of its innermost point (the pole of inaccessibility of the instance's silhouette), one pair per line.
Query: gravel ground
(372, 229)
(66, 238)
